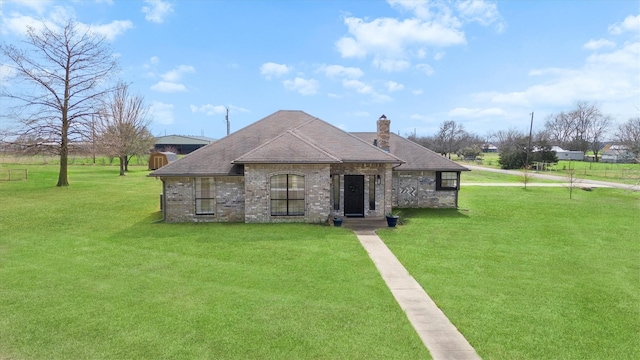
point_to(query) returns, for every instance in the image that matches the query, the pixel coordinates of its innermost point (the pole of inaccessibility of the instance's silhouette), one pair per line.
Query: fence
(13, 174)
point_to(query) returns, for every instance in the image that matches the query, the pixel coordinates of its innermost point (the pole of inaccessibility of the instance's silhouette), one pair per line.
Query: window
(372, 192)
(336, 191)
(205, 196)
(447, 180)
(287, 195)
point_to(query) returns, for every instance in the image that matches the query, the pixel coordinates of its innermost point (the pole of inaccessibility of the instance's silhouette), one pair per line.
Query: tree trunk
(63, 179)
(126, 163)
(122, 161)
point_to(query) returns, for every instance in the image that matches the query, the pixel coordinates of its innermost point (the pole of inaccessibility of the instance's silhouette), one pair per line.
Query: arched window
(287, 195)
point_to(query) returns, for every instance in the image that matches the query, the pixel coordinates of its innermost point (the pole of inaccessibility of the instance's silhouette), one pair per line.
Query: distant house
(293, 167)
(562, 154)
(181, 144)
(489, 148)
(160, 159)
(616, 153)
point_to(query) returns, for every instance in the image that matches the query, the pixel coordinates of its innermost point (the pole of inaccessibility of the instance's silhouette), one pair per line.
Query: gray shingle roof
(416, 157)
(289, 136)
(285, 136)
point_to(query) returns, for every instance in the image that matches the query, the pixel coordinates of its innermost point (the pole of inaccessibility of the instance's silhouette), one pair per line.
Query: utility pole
(227, 119)
(526, 166)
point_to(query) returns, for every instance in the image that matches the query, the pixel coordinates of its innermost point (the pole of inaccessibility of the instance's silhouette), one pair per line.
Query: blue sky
(484, 64)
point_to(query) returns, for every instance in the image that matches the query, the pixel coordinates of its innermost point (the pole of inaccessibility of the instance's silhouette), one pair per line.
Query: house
(489, 148)
(180, 143)
(616, 153)
(293, 167)
(160, 159)
(562, 154)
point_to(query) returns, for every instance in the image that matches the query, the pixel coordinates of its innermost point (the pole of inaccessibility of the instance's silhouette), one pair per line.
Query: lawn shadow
(407, 215)
(151, 227)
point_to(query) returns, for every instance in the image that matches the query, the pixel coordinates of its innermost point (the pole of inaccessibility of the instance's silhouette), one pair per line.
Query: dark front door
(354, 195)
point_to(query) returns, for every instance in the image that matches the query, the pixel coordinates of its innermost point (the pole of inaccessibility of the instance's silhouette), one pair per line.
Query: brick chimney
(383, 133)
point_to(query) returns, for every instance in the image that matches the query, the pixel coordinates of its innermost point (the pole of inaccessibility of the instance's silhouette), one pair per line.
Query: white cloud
(394, 42)
(483, 12)
(417, 92)
(388, 37)
(365, 89)
(18, 23)
(157, 11)
(169, 83)
(339, 71)
(302, 86)
(425, 68)
(598, 44)
(208, 109)
(110, 31)
(390, 65)
(162, 113)
(606, 77)
(270, 70)
(631, 23)
(358, 85)
(168, 87)
(476, 113)
(176, 74)
(394, 86)
(438, 56)
(38, 6)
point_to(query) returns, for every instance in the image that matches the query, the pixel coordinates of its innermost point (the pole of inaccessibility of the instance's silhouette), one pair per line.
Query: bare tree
(64, 71)
(122, 126)
(628, 134)
(582, 128)
(450, 137)
(596, 132)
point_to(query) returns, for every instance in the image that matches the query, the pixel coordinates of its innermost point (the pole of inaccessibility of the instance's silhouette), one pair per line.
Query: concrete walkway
(439, 335)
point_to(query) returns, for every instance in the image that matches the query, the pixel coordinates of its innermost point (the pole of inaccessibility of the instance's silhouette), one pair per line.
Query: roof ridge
(307, 141)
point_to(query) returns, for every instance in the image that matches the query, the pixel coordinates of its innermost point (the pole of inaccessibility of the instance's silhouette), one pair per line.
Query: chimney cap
(383, 117)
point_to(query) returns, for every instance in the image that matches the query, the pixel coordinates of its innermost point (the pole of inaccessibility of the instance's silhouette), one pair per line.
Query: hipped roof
(285, 136)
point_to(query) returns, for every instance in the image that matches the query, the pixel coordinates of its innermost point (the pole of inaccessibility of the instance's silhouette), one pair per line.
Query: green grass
(86, 272)
(531, 274)
(624, 173)
(621, 173)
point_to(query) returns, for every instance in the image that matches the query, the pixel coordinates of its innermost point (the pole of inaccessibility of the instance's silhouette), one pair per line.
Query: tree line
(584, 128)
(63, 95)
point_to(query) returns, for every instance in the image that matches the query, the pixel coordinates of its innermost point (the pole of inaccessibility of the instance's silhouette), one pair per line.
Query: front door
(354, 195)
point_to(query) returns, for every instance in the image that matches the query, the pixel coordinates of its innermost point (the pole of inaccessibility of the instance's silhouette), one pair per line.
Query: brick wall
(179, 200)
(417, 189)
(257, 192)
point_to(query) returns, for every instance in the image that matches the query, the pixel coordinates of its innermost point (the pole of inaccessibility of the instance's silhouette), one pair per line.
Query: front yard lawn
(531, 274)
(85, 273)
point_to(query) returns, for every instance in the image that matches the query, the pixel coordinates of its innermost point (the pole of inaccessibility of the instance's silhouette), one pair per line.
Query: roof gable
(287, 148)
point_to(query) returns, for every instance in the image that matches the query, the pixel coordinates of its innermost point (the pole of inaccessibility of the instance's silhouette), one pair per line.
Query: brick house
(293, 167)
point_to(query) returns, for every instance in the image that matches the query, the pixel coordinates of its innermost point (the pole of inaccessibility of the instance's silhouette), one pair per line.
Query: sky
(484, 64)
